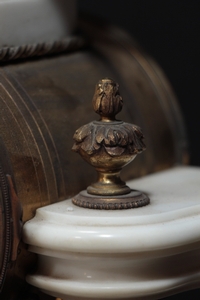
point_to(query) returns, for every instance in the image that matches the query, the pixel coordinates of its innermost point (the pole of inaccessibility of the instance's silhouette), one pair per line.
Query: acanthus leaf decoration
(115, 139)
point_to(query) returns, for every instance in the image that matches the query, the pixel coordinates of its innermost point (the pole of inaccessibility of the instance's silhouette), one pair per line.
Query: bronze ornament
(109, 145)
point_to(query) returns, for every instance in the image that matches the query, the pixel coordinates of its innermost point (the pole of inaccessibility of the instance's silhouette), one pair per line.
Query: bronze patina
(109, 145)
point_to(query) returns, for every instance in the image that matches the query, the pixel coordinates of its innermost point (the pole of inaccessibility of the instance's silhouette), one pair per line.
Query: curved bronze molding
(10, 217)
(5, 234)
(24, 51)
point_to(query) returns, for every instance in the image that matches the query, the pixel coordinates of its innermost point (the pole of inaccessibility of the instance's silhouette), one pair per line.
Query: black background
(169, 31)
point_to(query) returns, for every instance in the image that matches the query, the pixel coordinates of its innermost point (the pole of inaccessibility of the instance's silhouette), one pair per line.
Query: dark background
(169, 31)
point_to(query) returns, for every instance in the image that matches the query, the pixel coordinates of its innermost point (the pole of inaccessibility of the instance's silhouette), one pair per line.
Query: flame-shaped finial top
(107, 101)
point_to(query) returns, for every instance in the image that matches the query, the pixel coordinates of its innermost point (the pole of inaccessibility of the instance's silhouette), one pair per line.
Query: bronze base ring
(132, 200)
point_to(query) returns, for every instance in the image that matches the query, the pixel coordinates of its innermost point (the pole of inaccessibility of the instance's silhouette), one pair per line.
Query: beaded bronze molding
(33, 50)
(5, 226)
(133, 200)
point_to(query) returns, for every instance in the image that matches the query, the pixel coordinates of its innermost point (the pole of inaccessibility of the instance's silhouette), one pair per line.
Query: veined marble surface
(144, 253)
(24, 22)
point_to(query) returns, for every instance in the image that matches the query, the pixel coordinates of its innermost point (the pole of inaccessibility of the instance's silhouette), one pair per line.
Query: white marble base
(24, 22)
(143, 253)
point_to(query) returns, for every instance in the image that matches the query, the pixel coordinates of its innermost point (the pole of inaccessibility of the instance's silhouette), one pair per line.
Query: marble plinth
(144, 253)
(27, 22)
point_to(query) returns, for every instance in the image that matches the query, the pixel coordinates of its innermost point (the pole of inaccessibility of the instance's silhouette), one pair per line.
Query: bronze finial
(109, 145)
